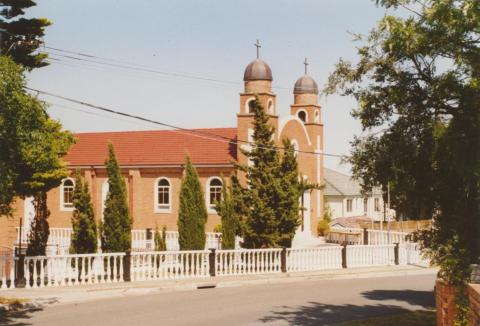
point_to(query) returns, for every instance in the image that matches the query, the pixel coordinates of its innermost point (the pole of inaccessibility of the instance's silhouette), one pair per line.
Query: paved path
(310, 302)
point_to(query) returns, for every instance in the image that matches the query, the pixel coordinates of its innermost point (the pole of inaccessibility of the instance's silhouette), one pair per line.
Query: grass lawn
(413, 318)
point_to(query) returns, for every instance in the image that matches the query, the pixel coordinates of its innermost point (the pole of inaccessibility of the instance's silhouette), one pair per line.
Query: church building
(152, 164)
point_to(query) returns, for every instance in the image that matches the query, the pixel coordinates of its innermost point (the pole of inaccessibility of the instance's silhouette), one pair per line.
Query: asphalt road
(320, 302)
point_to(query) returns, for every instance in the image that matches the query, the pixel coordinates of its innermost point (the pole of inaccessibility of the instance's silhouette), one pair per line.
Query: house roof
(156, 147)
(339, 184)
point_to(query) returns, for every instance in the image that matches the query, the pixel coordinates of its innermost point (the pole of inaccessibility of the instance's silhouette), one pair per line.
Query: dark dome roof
(257, 70)
(305, 85)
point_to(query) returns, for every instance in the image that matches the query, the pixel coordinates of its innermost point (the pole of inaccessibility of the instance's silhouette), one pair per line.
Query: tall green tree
(260, 223)
(291, 188)
(84, 235)
(117, 224)
(20, 38)
(192, 213)
(39, 229)
(32, 144)
(226, 210)
(417, 84)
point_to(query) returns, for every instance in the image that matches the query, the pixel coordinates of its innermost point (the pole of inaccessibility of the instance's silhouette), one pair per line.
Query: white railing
(7, 271)
(351, 236)
(79, 269)
(379, 237)
(169, 265)
(247, 261)
(59, 240)
(314, 259)
(366, 255)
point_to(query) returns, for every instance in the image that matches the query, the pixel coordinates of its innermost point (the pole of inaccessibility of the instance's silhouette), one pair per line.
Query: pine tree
(160, 239)
(39, 230)
(290, 191)
(260, 225)
(226, 211)
(84, 235)
(117, 224)
(22, 37)
(192, 214)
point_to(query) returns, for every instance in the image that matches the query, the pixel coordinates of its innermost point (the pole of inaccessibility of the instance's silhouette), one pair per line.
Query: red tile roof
(155, 147)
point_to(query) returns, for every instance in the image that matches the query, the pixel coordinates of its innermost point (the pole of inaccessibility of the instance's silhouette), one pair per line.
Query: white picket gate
(366, 255)
(314, 259)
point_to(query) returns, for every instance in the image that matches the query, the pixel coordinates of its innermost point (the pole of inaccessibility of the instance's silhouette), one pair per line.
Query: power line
(73, 55)
(194, 132)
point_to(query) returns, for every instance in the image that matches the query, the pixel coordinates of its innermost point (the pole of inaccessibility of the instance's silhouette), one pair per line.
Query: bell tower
(257, 84)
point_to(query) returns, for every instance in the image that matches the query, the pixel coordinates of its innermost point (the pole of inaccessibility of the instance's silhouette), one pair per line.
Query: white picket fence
(314, 259)
(379, 237)
(355, 236)
(86, 269)
(82, 269)
(162, 265)
(247, 262)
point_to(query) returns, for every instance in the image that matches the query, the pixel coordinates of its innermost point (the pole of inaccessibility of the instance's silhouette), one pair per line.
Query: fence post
(127, 264)
(365, 236)
(20, 281)
(396, 253)
(344, 255)
(211, 261)
(283, 260)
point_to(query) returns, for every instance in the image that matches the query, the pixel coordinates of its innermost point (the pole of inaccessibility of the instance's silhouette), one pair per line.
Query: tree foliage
(32, 144)
(269, 204)
(84, 235)
(21, 37)
(226, 210)
(117, 224)
(192, 213)
(417, 84)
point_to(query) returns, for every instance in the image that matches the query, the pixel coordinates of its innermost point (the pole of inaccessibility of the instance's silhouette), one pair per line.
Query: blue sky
(211, 39)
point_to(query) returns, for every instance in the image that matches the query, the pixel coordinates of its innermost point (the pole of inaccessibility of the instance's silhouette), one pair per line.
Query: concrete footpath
(75, 294)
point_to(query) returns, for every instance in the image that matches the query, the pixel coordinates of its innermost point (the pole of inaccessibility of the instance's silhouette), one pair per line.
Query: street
(319, 302)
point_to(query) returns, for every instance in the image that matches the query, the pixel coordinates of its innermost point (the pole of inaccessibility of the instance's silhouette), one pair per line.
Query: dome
(305, 85)
(257, 70)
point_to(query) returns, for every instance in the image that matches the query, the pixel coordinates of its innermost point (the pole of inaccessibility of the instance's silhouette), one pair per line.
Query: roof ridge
(331, 184)
(151, 130)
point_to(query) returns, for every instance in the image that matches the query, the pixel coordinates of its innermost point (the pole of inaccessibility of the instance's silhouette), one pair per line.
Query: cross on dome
(258, 46)
(306, 64)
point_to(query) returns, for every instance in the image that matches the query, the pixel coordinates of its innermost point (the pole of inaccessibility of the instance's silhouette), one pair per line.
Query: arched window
(214, 193)
(162, 195)
(317, 116)
(302, 115)
(66, 198)
(251, 106)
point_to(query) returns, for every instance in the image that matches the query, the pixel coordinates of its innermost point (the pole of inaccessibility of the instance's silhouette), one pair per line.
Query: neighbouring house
(152, 164)
(346, 202)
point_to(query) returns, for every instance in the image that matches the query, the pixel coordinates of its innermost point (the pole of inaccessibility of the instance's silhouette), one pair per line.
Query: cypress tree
(192, 213)
(260, 225)
(117, 224)
(39, 230)
(225, 208)
(160, 239)
(290, 191)
(84, 235)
